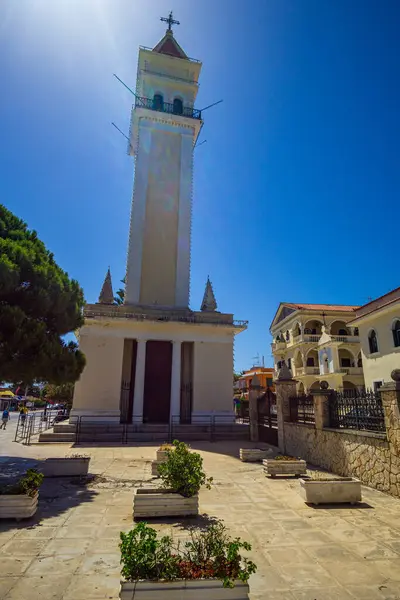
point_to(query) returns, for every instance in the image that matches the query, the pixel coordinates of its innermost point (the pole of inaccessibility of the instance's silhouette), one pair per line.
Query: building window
(377, 385)
(158, 102)
(373, 342)
(289, 363)
(359, 362)
(396, 334)
(279, 364)
(345, 362)
(343, 332)
(287, 336)
(356, 331)
(310, 361)
(178, 106)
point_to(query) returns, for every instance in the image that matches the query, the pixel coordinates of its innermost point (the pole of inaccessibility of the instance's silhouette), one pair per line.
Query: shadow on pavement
(57, 495)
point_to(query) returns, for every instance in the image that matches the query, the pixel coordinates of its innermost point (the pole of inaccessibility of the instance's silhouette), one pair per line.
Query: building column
(285, 387)
(175, 409)
(139, 381)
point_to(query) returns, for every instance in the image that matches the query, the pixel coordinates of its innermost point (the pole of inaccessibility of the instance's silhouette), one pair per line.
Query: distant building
(379, 325)
(317, 342)
(265, 377)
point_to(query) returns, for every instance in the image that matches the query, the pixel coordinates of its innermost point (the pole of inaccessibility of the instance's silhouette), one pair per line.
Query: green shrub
(28, 484)
(209, 554)
(182, 472)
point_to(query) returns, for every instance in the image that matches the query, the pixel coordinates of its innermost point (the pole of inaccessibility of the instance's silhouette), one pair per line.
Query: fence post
(285, 387)
(390, 395)
(253, 408)
(321, 399)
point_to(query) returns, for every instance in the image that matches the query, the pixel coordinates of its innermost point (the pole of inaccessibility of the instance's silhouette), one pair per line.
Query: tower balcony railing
(168, 107)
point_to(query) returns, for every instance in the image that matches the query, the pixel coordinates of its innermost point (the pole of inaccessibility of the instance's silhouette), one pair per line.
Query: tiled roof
(381, 302)
(322, 307)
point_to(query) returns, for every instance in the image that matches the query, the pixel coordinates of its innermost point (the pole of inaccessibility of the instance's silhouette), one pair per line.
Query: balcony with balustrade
(172, 108)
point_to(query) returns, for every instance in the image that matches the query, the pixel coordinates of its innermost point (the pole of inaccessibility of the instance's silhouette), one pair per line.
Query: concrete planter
(330, 490)
(284, 467)
(65, 467)
(161, 455)
(154, 467)
(254, 454)
(149, 503)
(18, 506)
(199, 589)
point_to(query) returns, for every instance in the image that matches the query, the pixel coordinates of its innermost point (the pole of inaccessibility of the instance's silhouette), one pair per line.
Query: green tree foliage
(39, 304)
(63, 392)
(182, 472)
(120, 297)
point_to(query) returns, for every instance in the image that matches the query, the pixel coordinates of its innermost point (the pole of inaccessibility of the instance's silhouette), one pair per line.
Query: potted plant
(161, 456)
(182, 477)
(330, 490)
(19, 500)
(284, 465)
(254, 454)
(74, 465)
(208, 565)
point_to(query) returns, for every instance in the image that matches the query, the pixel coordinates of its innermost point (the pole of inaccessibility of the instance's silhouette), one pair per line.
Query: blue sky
(296, 192)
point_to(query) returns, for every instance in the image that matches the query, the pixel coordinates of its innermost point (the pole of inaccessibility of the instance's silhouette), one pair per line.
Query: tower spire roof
(168, 45)
(107, 294)
(209, 303)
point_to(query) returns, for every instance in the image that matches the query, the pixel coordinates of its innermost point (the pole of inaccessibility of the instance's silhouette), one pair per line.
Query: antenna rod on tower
(124, 84)
(121, 132)
(211, 105)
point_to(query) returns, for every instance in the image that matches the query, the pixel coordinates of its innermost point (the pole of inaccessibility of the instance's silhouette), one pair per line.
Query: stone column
(321, 399)
(285, 388)
(139, 381)
(175, 409)
(254, 392)
(390, 394)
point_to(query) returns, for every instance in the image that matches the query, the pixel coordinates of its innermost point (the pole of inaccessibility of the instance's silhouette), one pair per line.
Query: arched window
(158, 102)
(373, 342)
(343, 332)
(310, 361)
(178, 106)
(287, 336)
(279, 364)
(396, 333)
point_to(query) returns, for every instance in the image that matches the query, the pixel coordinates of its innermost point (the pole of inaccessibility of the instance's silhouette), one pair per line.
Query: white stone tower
(153, 359)
(164, 128)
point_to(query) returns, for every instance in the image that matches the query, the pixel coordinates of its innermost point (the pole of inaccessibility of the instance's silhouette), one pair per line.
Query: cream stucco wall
(212, 377)
(99, 387)
(377, 367)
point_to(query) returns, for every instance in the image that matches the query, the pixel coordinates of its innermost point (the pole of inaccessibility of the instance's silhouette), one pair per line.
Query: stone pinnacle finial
(284, 373)
(107, 294)
(209, 303)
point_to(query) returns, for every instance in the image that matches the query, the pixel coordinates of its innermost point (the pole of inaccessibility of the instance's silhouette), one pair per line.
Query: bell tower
(164, 129)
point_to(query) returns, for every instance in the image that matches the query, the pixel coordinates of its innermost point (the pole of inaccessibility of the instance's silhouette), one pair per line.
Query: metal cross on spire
(170, 20)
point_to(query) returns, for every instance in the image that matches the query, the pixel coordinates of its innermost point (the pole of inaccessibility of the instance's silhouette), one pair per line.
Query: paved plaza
(69, 550)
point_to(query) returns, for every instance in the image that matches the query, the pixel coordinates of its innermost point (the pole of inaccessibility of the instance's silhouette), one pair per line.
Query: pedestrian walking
(4, 419)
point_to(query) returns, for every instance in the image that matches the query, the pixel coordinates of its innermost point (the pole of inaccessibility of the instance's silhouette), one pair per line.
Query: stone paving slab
(69, 550)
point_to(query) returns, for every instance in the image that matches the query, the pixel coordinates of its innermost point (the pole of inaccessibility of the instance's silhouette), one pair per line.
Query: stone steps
(143, 433)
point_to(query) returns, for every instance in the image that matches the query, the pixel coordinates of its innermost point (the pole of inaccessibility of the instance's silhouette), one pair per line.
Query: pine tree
(39, 304)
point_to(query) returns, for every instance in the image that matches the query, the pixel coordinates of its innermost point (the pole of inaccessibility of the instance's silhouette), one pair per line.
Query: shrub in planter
(19, 500)
(182, 472)
(182, 477)
(209, 555)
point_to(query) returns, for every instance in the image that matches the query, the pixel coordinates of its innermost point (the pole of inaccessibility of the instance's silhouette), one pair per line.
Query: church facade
(153, 359)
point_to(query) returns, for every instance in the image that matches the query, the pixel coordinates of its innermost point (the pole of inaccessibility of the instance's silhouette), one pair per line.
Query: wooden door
(157, 382)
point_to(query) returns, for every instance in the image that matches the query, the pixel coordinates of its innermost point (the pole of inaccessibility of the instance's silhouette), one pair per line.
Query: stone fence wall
(374, 458)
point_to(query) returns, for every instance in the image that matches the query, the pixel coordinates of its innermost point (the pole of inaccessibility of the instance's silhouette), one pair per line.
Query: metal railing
(302, 409)
(33, 424)
(168, 107)
(120, 432)
(195, 319)
(351, 409)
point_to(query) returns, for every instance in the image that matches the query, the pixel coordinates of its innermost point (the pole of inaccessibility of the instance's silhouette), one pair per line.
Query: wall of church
(160, 235)
(212, 377)
(99, 387)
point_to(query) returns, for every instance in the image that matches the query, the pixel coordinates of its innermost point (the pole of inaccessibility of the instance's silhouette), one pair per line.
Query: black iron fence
(362, 410)
(168, 107)
(302, 409)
